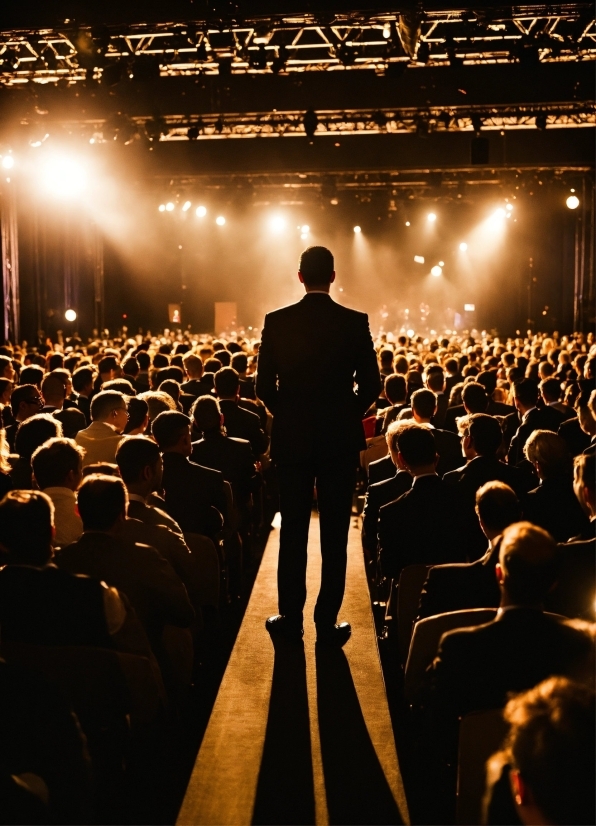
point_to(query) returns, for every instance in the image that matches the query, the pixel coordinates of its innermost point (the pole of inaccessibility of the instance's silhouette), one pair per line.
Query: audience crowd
(136, 491)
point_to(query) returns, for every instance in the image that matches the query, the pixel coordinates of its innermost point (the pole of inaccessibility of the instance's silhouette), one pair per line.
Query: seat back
(481, 734)
(425, 642)
(411, 582)
(205, 553)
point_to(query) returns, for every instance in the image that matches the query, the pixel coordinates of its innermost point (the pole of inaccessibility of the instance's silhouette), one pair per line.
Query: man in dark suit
(239, 422)
(474, 400)
(396, 393)
(420, 526)
(452, 375)
(525, 394)
(195, 384)
(311, 355)
(435, 381)
(381, 469)
(459, 586)
(424, 405)
(550, 390)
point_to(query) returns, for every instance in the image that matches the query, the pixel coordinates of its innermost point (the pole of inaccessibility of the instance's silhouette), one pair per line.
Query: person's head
(34, 432)
(424, 404)
(7, 370)
(172, 388)
(227, 383)
(416, 450)
(548, 453)
(395, 389)
(6, 387)
(121, 385)
(484, 434)
(25, 402)
(525, 394)
(497, 507)
(435, 379)
(109, 406)
(193, 366)
(400, 365)
(144, 360)
(212, 365)
(550, 390)
(32, 374)
(63, 374)
(53, 391)
(130, 367)
(26, 528)
(451, 367)
(206, 414)
(55, 360)
(82, 380)
(138, 416)
(239, 363)
(386, 358)
(58, 463)
(527, 564)
(171, 431)
(140, 464)
(584, 482)
(550, 750)
(108, 368)
(474, 398)
(102, 502)
(317, 269)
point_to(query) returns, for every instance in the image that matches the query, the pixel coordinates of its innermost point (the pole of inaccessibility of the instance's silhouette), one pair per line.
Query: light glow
(186, 206)
(162, 207)
(431, 217)
(436, 271)
(70, 315)
(357, 229)
(201, 211)
(7, 162)
(220, 220)
(463, 246)
(64, 178)
(469, 308)
(419, 259)
(386, 31)
(169, 206)
(305, 229)
(277, 224)
(441, 263)
(509, 207)
(572, 202)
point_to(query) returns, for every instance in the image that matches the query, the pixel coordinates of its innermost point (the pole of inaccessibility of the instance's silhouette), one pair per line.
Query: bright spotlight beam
(201, 211)
(305, 229)
(70, 315)
(436, 271)
(220, 220)
(572, 202)
(431, 217)
(463, 246)
(186, 206)
(7, 162)
(277, 224)
(64, 178)
(169, 207)
(357, 229)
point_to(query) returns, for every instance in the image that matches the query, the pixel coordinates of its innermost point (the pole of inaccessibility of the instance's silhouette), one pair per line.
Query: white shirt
(69, 525)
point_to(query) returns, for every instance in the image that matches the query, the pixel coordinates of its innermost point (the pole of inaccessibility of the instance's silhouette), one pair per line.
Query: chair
(411, 582)
(481, 733)
(204, 551)
(425, 642)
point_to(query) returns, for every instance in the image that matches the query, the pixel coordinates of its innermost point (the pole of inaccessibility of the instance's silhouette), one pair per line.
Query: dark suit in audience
(575, 438)
(242, 424)
(198, 387)
(194, 495)
(377, 495)
(449, 450)
(554, 507)
(451, 416)
(438, 420)
(381, 469)
(574, 595)
(233, 458)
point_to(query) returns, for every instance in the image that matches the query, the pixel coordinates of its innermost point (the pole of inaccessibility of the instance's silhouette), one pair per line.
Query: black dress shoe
(335, 635)
(281, 628)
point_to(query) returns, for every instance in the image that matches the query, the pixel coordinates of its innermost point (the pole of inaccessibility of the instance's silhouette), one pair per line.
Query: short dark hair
(107, 363)
(53, 387)
(26, 520)
(497, 506)
(32, 374)
(485, 431)
(121, 385)
(227, 382)
(526, 391)
(240, 362)
(474, 397)
(435, 379)
(138, 410)
(133, 455)
(21, 394)
(168, 427)
(103, 403)
(172, 388)
(34, 431)
(416, 444)
(488, 379)
(144, 359)
(316, 266)
(395, 388)
(424, 403)
(551, 389)
(82, 378)
(386, 356)
(212, 365)
(130, 366)
(528, 558)
(53, 461)
(206, 413)
(101, 501)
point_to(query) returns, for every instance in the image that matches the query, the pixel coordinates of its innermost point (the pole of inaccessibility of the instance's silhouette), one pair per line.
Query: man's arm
(266, 377)
(367, 373)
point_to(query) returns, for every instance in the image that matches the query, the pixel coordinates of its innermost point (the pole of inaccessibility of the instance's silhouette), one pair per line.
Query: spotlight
(280, 60)
(64, 178)
(410, 333)
(469, 308)
(220, 220)
(305, 229)
(407, 223)
(70, 315)
(419, 259)
(162, 207)
(499, 213)
(304, 236)
(357, 229)
(572, 202)
(441, 263)
(169, 206)
(7, 162)
(431, 217)
(436, 271)
(201, 211)
(186, 206)
(387, 31)
(463, 246)
(192, 133)
(277, 224)
(509, 207)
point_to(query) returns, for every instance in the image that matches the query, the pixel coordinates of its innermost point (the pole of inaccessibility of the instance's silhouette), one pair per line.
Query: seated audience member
(547, 768)
(456, 587)
(550, 391)
(476, 668)
(238, 422)
(424, 404)
(109, 416)
(474, 400)
(418, 528)
(156, 403)
(396, 394)
(7, 370)
(575, 592)
(194, 384)
(452, 375)
(82, 382)
(53, 392)
(525, 395)
(40, 604)
(130, 372)
(239, 363)
(32, 374)
(58, 471)
(195, 496)
(144, 360)
(153, 588)
(138, 417)
(435, 381)
(553, 504)
(381, 493)
(386, 361)
(31, 434)
(108, 369)
(381, 469)
(25, 402)
(121, 386)
(577, 431)
(172, 388)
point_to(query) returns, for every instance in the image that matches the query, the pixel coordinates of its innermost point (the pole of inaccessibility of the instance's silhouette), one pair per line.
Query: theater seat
(411, 582)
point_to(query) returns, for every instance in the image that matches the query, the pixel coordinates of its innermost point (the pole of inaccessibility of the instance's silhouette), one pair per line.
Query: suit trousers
(334, 482)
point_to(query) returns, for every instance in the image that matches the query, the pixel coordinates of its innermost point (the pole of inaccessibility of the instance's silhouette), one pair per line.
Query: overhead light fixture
(357, 229)
(7, 162)
(186, 206)
(572, 202)
(220, 220)
(169, 206)
(469, 308)
(541, 121)
(436, 271)
(419, 259)
(463, 246)
(310, 122)
(431, 217)
(387, 31)
(277, 224)
(407, 223)
(201, 211)
(162, 207)
(70, 315)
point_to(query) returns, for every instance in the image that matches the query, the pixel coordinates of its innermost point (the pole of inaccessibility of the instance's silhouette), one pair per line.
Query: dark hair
(107, 364)
(474, 397)
(526, 391)
(386, 356)
(212, 365)
(53, 461)
(160, 360)
(452, 366)
(121, 385)
(239, 362)
(395, 388)
(225, 357)
(133, 455)
(103, 403)
(551, 389)
(82, 378)
(416, 444)
(497, 506)
(316, 266)
(488, 379)
(435, 380)
(104, 468)
(585, 465)
(53, 387)
(424, 403)
(55, 360)
(34, 431)
(21, 394)
(32, 374)
(528, 557)
(101, 501)
(144, 360)
(227, 382)
(168, 427)
(138, 410)
(206, 413)
(130, 367)
(414, 381)
(485, 432)
(26, 519)
(400, 365)
(172, 388)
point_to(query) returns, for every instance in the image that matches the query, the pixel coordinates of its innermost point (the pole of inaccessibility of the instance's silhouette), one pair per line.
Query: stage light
(186, 206)
(162, 207)
(386, 31)
(419, 259)
(407, 223)
(441, 263)
(463, 246)
(357, 229)
(7, 162)
(201, 211)
(64, 177)
(436, 271)
(572, 202)
(304, 236)
(220, 220)
(169, 206)
(70, 315)
(431, 217)
(410, 333)
(499, 213)
(305, 229)
(277, 224)
(509, 207)
(469, 308)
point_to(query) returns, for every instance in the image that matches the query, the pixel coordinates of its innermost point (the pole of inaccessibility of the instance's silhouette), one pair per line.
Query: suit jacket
(576, 440)
(389, 415)
(311, 355)
(568, 412)
(554, 507)
(84, 405)
(233, 457)
(100, 441)
(546, 418)
(451, 414)
(242, 424)
(451, 381)
(380, 470)
(247, 388)
(419, 528)
(449, 450)
(377, 495)
(194, 495)
(575, 591)
(438, 420)
(198, 387)
(151, 515)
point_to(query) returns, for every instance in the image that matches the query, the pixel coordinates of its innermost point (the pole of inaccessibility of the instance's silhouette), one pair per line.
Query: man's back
(553, 506)
(377, 495)
(191, 491)
(244, 424)
(232, 457)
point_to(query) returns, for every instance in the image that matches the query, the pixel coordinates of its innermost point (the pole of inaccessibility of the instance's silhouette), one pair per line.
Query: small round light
(436, 271)
(162, 207)
(463, 246)
(386, 31)
(431, 217)
(357, 229)
(304, 236)
(572, 202)
(201, 211)
(186, 206)
(220, 220)
(169, 206)
(7, 162)
(305, 229)
(441, 263)
(509, 207)
(70, 315)
(410, 333)
(407, 223)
